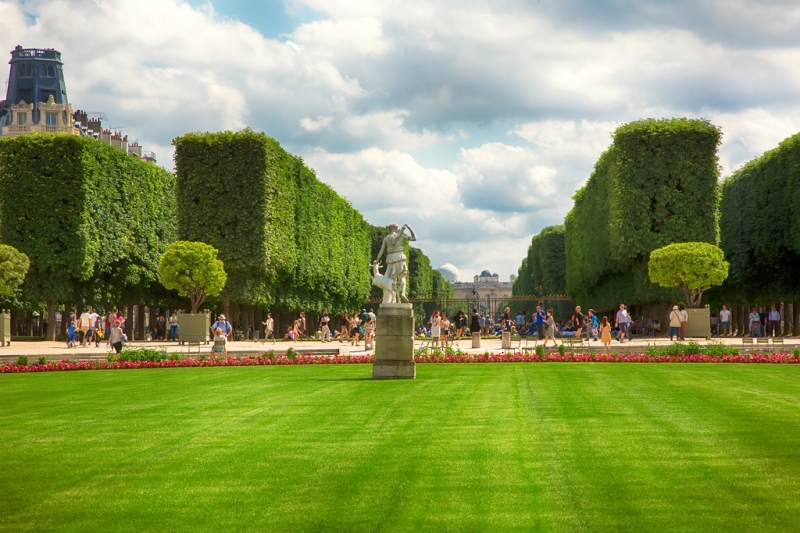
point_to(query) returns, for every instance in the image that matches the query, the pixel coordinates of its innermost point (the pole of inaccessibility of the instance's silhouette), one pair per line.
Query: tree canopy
(192, 269)
(13, 267)
(692, 267)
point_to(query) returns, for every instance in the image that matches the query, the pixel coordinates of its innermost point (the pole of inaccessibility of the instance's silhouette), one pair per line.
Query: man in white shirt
(86, 324)
(724, 320)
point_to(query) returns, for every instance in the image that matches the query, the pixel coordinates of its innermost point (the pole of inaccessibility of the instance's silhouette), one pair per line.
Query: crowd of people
(760, 322)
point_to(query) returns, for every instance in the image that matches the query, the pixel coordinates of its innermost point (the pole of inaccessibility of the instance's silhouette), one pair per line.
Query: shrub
(539, 350)
(693, 267)
(42, 360)
(136, 355)
(22, 360)
(562, 349)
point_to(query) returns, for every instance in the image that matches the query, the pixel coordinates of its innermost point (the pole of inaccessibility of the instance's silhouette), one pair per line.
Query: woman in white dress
(436, 326)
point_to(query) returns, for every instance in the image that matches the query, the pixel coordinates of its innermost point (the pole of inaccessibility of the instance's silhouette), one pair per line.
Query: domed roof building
(484, 285)
(449, 272)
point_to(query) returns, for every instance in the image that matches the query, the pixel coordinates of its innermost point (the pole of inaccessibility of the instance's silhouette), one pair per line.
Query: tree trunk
(140, 322)
(795, 318)
(129, 323)
(50, 335)
(65, 316)
(226, 309)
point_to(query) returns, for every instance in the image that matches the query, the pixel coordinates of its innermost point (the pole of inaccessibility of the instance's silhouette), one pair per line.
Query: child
(220, 343)
(71, 327)
(115, 336)
(550, 324)
(605, 333)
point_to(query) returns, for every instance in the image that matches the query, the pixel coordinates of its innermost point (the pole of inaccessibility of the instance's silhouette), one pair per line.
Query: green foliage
(543, 271)
(693, 267)
(442, 289)
(287, 239)
(22, 360)
(656, 185)
(192, 269)
(13, 267)
(420, 275)
(713, 349)
(136, 355)
(562, 349)
(42, 360)
(760, 234)
(92, 220)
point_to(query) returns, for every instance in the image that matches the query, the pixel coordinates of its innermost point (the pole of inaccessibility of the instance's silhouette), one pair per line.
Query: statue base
(394, 343)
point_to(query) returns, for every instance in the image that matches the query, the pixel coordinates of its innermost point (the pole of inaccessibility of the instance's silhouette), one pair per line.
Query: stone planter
(194, 328)
(5, 328)
(699, 323)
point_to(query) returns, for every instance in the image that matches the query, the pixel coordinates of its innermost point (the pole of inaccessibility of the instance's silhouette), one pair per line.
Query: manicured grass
(555, 447)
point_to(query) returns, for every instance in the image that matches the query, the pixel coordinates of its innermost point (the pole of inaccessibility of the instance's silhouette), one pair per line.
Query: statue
(396, 266)
(384, 282)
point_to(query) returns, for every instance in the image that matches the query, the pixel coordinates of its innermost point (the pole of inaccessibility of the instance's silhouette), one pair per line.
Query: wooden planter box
(5, 328)
(194, 328)
(699, 323)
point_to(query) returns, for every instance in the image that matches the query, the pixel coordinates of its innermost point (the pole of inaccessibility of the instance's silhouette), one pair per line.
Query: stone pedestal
(476, 340)
(394, 343)
(505, 340)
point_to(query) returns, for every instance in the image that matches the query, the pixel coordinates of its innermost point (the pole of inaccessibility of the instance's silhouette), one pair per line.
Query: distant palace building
(36, 102)
(485, 285)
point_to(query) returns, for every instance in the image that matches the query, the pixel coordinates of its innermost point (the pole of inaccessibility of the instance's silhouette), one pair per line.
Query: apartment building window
(52, 119)
(22, 118)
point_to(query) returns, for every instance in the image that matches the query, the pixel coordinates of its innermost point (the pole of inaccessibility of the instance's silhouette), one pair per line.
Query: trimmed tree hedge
(760, 232)
(287, 240)
(543, 271)
(92, 219)
(656, 185)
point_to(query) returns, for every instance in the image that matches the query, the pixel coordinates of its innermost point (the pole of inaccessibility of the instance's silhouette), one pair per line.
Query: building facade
(36, 102)
(485, 286)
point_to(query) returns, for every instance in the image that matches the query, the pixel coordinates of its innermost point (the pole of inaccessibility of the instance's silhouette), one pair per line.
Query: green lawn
(472, 447)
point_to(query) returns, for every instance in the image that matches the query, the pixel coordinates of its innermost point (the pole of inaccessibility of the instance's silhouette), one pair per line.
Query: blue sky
(475, 122)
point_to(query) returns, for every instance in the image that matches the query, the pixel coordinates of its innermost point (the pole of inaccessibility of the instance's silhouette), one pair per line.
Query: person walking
(621, 323)
(116, 336)
(605, 333)
(774, 322)
(675, 323)
(541, 318)
(684, 319)
(324, 326)
(594, 324)
(550, 331)
(445, 324)
(161, 328)
(173, 326)
(344, 325)
(436, 327)
(724, 320)
(269, 328)
(755, 323)
(475, 323)
(303, 326)
(355, 332)
(71, 327)
(369, 333)
(577, 319)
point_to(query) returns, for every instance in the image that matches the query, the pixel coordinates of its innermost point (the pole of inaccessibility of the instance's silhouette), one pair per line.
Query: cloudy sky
(474, 122)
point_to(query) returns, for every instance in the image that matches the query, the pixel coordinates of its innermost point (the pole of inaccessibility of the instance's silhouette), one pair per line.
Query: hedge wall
(543, 271)
(288, 241)
(92, 219)
(760, 233)
(656, 185)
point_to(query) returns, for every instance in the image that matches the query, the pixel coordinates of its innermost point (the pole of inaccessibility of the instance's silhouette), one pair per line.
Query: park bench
(747, 344)
(190, 345)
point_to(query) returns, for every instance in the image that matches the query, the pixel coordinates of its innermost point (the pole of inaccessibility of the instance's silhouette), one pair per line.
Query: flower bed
(271, 360)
